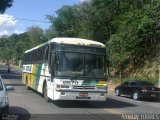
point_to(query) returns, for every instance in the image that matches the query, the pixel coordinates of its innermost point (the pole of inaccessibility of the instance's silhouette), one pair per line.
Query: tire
(117, 92)
(45, 93)
(135, 96)
(27, 87)
(5, 110)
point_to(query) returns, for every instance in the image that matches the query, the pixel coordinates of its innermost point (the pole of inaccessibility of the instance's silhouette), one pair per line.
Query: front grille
(84, 87)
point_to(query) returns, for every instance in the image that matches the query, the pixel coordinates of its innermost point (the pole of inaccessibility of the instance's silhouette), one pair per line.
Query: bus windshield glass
(94, 65)
(70, 64)
(88, 65)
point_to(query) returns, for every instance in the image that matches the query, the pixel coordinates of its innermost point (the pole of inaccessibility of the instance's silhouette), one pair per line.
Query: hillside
(149, 70)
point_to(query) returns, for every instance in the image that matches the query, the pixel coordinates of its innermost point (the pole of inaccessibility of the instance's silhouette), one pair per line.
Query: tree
(137, 34)
(4, 4)
(64, 22)
(50, 33)
(21, 43)
(84, 20)
(36, 35)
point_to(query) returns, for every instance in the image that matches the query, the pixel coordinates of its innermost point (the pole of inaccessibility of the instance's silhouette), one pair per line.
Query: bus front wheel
(45, 93)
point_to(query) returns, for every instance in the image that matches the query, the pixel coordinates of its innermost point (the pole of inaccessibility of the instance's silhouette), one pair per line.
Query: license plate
(153, 95)
(83, 94)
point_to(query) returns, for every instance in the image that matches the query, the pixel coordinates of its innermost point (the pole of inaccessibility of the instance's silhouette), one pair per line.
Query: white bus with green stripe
(67, 69)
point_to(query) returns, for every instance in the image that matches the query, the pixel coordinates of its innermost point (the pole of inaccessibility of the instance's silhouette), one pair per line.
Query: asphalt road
(28, 104)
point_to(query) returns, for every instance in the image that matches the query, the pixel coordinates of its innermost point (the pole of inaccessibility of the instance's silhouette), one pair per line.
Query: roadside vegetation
(129, 28)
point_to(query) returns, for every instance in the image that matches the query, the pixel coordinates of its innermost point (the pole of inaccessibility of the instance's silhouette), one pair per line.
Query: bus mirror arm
(53, 57)
(51, 61)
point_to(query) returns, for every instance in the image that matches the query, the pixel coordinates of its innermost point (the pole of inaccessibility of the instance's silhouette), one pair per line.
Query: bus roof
(71, 41)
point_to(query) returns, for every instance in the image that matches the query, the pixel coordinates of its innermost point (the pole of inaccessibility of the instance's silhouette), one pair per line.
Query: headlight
(3, 101)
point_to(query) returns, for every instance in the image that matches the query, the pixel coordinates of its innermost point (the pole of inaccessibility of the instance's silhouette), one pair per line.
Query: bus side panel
(26, 75)
(39, 73)
(44, 75)
(40, 84)
(50, 91)
(32, 76)
(37, 76)
(42, 78)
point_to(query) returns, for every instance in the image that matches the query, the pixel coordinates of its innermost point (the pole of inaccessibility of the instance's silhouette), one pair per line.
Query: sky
(11, 21)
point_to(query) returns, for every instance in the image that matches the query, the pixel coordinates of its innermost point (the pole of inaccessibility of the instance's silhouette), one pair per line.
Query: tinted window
(133, 84)
(125, 83)
(146, 83)
(70, 63)
(37, 55)
(94, 65)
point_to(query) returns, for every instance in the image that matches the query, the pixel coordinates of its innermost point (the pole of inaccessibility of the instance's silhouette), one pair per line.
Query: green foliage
(64, 22)
(116, 49)
(4, 4)
(136, 36)
(36, 35)
(13, 47)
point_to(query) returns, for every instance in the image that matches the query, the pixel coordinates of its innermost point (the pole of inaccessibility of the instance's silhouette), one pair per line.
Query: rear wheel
(45, 93)
(117, 92)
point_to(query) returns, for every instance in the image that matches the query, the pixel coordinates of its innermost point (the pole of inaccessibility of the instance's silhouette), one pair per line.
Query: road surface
(28, 104)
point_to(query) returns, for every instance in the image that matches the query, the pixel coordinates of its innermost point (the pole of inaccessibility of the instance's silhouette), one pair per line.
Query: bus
(67, 69)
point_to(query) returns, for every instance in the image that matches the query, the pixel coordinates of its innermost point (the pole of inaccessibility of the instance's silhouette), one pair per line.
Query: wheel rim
(117, 92)
(135, 96)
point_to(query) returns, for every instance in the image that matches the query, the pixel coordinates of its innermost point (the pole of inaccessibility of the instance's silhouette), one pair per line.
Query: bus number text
(70, 82)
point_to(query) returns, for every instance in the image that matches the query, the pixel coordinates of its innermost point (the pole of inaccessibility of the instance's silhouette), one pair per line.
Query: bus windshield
(88, 65)
(94, 65)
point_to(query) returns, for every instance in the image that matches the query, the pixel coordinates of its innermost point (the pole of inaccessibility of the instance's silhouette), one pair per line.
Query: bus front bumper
(80, 95)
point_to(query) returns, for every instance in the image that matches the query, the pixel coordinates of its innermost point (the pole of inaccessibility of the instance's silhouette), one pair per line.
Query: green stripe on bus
(89, 82)
(34, 78)
(37, 76)
(38, 72)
